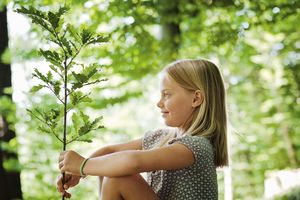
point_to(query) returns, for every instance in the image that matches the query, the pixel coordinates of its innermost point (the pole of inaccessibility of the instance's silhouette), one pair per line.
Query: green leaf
(81, 78)
(90, 71)
(42, 23)
(74, 97)
(56, 87)
(88, 126)
(67, 45)
(53, 57)
(98, 39)
(85, 36)
(86, 74)
(49, 76)
(44, 129)
(96, 121)
(36, 88)
(39, 75)
(53, 19)
(86, 98)
(55, 69)
(76, 85)
(71, 29)
(54, 113)
(84, 140)
(62, 10)
(84, 117)
(76, 122)
(78, 97)
(31, 11)
(100, 127)
(84, 129)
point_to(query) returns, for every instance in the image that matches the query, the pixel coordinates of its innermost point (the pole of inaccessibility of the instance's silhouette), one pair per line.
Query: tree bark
(291, 152)
(170, 19)
(10, 184)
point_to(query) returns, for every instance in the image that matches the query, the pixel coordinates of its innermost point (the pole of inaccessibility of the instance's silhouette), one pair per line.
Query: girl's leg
(132, 187)
(100, 185)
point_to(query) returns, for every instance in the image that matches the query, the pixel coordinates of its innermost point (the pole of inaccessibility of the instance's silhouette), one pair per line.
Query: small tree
(65, 78)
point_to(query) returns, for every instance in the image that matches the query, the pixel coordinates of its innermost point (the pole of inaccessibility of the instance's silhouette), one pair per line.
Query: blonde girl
(180, 162)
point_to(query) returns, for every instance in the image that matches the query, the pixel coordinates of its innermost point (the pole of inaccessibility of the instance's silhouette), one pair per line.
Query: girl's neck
(180, 132)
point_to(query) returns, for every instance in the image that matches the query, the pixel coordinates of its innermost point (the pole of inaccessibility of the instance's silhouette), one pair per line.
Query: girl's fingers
(61, 156)
(66, 186)
(68, 182)
(59, 186)
(67, 195)
(60, 165)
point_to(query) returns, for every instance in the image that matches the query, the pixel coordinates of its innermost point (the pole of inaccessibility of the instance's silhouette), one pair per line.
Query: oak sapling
(65, 77)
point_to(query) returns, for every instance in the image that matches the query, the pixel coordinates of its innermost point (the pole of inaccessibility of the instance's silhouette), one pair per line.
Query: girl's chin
(170, 124)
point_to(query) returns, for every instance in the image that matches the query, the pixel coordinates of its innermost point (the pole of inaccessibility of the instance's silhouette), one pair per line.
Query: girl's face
(175, 103)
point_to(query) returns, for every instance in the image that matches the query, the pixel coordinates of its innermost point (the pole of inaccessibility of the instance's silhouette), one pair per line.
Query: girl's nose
(159, 104)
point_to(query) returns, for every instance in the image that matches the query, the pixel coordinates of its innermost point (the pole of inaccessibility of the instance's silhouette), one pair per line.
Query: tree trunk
(291, 152)
(170, 19)
(10, 184)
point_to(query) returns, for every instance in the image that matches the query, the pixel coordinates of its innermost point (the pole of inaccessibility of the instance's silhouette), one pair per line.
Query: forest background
(255, 43)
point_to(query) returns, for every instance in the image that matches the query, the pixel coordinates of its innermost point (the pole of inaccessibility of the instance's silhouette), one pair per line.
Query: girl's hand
(69, 162)
(70, 181)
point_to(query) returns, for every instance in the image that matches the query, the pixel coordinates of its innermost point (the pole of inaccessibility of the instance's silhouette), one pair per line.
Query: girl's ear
(198, 99)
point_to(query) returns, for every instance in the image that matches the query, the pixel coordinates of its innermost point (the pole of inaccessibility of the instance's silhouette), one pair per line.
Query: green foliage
(8, 112)
(5, 57)
(62, 63)
(8, 109)
(293, 194)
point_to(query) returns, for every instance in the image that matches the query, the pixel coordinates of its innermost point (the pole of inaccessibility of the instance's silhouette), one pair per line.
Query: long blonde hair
(209, 120)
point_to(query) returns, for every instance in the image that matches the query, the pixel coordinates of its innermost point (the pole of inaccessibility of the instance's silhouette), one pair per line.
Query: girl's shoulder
(151, 138)
(197, 141)
(199, 145)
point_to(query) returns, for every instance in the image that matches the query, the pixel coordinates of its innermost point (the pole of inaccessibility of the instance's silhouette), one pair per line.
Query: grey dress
(198, 181)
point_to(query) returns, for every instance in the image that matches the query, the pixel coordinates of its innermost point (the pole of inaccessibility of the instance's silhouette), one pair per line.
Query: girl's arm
(129, 162)
(132, 145)
(73, 180)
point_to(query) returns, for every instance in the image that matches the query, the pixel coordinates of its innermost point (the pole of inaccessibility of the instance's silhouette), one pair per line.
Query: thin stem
(58, 39)
(66, 98)
(65, 114)
(77, 52)
(86, 84)
(93, 82)
(43, 121)
(74, 106)
(76, 138)
(65, 105)
(48, 86)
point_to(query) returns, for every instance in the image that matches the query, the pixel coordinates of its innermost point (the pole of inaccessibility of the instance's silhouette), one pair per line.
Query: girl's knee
(111, 188)
(116, 181)
(111, 182)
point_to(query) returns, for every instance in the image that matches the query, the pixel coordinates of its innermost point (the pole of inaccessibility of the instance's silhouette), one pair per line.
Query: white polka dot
(198, 181)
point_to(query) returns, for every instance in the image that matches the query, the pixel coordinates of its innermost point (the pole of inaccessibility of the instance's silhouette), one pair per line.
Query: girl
(180, 162)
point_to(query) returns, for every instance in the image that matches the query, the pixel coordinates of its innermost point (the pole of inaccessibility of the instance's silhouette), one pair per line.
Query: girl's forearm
(132, 145)
(112, 165)
(102, 151)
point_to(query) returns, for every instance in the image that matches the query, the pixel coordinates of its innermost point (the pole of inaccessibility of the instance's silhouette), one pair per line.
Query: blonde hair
(209, 120)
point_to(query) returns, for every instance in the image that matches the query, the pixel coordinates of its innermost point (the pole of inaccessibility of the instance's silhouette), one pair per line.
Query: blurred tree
(10, 185)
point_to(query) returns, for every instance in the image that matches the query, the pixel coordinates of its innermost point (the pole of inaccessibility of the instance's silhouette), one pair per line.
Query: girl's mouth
(164, 113)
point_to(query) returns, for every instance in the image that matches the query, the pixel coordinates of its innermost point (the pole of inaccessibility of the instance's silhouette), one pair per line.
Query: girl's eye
(166, 95)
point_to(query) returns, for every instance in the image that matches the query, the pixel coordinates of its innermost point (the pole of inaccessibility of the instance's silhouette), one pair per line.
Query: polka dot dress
(198, 181)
